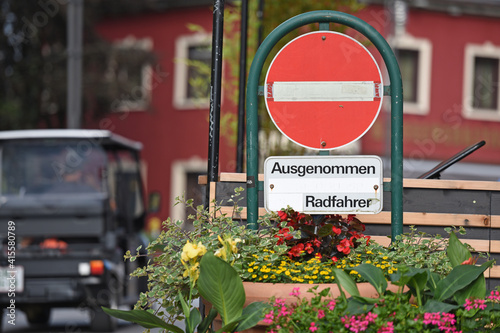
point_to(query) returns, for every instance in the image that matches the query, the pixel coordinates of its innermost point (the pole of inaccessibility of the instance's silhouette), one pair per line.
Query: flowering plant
(217, 282)
(329, 237)
(173, 256)
(456, 302)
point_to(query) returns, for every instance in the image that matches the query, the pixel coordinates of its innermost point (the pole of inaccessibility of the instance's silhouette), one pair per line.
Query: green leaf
(143, 318)
(220, 284)
(457, 252)
(476, 289)
(435, 306)
(374, 275)
(356, 306)
(344, 280)
(432, 281)
(194, 319)
(207, 321)
(460, 277)
(417, 281)
(252, 314)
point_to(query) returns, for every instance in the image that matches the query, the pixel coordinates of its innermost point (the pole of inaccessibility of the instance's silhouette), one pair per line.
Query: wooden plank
(495, 221)
(236, 177)
(202, 179)
(494, 272)
(407, 182)
(494, 246)
(212, 197)
(450, 184)
(430, 219)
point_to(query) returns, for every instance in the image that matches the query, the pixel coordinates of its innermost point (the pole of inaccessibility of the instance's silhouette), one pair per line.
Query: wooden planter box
(429, 204)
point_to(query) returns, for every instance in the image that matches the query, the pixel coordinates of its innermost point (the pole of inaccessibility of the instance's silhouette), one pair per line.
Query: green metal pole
(325, 16)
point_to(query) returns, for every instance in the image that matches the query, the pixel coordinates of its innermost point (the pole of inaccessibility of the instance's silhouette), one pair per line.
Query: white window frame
(145, 88)
(424, 48)
(180, 170)
(182, 45)
(486, 50)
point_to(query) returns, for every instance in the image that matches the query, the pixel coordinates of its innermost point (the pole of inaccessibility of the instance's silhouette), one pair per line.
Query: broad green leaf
(344, 281)
(220, 284)
(194, 319)
(435, 306)
(325, 230)
(374, 275)
(207, 321)
(417, 282)
(457, 252)
(252, 314)
(476, 289)
(356, 306)
(460, 277)
(143, 318)
(230, 327)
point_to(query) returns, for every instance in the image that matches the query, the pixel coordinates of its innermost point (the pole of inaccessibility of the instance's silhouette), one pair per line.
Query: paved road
(64, 321)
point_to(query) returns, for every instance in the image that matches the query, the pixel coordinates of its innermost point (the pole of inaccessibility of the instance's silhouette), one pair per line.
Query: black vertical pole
(74, 64)
(215, 96)
(243, 79)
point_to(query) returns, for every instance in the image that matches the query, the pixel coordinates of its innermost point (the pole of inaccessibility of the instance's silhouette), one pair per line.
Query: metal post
(74, 64)
(215, 96)
(383, 47)
(243, 78)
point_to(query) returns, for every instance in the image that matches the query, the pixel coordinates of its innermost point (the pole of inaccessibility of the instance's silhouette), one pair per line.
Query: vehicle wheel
(100, 321)
(38, 315)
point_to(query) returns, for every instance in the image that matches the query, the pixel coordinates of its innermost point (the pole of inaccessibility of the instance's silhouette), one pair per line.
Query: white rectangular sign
(324, 184)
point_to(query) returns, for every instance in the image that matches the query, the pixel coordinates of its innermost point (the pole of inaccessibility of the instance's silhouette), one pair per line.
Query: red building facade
(448, 55)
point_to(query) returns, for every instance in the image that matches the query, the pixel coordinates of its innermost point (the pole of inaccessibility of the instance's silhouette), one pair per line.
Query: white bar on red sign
(324, 91)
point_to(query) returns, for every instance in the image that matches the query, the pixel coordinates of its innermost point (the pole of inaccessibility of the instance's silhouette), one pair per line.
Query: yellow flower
(192, 251)
(250, 270)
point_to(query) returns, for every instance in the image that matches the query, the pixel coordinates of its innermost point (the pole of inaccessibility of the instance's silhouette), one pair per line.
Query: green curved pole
(327, 16)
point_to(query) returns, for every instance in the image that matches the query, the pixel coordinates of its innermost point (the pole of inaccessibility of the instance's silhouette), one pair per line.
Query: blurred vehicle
(71, 205)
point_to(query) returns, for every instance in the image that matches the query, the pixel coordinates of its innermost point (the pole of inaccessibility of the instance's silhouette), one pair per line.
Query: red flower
(309, 249)
(471, 261)
(296, 250)
(345, 246)
(316, 242)
(318, 255)
(336, 230)
(367, 239)
(283, 215)
(283, 235)
(335, 259)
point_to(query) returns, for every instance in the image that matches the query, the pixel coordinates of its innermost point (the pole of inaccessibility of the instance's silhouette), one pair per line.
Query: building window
(192, 72)
(481, 75)
(184, 180)
(130, 74)
(414, 57)
(408, 62)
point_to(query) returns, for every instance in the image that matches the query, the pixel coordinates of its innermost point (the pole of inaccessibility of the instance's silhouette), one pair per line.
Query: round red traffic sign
(323, 90)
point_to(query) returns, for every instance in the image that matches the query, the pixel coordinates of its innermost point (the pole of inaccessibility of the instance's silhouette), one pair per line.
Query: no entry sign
(323, 90)
(324, 184)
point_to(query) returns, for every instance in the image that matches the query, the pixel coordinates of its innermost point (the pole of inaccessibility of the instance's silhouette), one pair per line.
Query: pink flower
(313, 327)
(331, 305)
(321, 314)
(269, 317)
(388, 328)
(475, 304)
(494, 296)
(295, 292)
